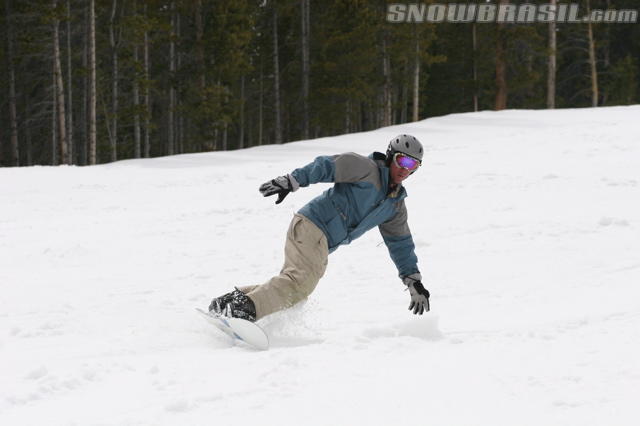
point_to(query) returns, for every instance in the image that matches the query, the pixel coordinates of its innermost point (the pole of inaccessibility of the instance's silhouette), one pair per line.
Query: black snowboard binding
(235, 304)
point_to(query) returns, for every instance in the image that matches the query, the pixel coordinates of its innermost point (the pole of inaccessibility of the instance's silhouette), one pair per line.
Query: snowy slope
(527, 227)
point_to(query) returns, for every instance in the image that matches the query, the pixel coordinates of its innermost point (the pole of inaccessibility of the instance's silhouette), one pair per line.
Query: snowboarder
(368, 192)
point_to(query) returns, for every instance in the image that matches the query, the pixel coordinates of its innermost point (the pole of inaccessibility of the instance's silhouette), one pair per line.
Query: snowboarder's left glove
(419, 294)
(282, 185)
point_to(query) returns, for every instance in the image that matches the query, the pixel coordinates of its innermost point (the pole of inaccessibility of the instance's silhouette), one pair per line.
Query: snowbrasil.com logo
(526, 13)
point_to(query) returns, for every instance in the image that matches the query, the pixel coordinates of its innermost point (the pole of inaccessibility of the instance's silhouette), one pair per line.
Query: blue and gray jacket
(359, 200)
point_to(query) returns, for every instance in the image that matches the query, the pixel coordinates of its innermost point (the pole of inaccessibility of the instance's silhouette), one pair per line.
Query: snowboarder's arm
(348, 167)
(397, 237)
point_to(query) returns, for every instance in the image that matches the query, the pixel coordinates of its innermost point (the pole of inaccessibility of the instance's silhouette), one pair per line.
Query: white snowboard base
(238, 329)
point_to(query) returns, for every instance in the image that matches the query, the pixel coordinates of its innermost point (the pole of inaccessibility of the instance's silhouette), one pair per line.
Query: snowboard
(238, 329)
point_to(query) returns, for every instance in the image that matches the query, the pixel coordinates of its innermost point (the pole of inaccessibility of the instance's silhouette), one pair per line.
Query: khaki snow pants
(305, 261)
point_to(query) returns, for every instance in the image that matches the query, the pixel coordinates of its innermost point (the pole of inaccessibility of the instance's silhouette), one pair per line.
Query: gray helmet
(405, 144)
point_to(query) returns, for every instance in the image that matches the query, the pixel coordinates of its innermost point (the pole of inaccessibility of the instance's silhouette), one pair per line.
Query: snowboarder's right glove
(419, 294)
(282, 185)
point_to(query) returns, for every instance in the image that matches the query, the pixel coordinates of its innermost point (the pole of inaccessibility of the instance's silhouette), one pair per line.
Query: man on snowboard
(368, 192)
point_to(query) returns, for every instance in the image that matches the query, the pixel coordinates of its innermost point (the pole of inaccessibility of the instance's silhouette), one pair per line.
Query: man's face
(398, 174)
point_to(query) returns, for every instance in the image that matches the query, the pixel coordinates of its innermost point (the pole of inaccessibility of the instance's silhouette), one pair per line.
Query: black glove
(281, 185)
(419, 295)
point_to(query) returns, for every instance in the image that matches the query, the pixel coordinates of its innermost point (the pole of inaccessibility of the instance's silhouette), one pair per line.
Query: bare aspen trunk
(416, 82)
(54, 118)
(178, 141)
(501, 66)
(551, 62)
(92, 82)
(404, 101)
(592, 60)
(397, 97)
(386, 71)
(59, 92)
(71, 148)
(276, 77)
(202, 80)
(200, 45)
(225, 145)
(27, 132)
(242, 104)
(114, 40)
(147, 96)
(172, 91)
(501, 81)
(137, 138)
(260, 107)
(13, 116)
(305, 6)
(83, 146)
(606, 56)
(137, 142)
(474, 59)
(347, 116)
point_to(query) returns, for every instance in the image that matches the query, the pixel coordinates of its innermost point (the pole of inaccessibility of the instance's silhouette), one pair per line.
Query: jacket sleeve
(348, 167)
(397, 237)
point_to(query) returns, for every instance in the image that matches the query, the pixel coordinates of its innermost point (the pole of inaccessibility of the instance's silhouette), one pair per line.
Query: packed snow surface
(527, 228)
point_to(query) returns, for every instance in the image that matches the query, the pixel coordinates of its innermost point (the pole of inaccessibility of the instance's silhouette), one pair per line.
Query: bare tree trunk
(592, 60)
(606, 63)
(137, 138)
(261, 106)
(398, 96)
(114, 40)
(306, 23)
(416, 81)
(501, 66)
(474, 58)
(200, 45)
(137, 142)
(27, 132)
(147, 96)
(172, 90)
(71, 148)
(242, 105)
(83, 146)
(92, 82)
(54, 118)
(347, 116)
(404, 111)
(200, 56)
(386, 71)
(225, 133)
(178, 142)
(551, 62)
(276, 77)
(13, 116)
(59, 92)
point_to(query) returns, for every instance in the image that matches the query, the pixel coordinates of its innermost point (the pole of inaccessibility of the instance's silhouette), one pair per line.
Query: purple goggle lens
(406, 162)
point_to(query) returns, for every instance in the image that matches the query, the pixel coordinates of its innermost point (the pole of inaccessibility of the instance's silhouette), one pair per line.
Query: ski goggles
(406, 162)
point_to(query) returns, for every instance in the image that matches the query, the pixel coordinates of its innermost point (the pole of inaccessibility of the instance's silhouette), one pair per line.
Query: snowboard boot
(235, 304)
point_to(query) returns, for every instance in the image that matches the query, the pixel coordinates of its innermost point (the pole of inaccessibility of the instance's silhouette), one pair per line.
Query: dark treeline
(92, 81)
